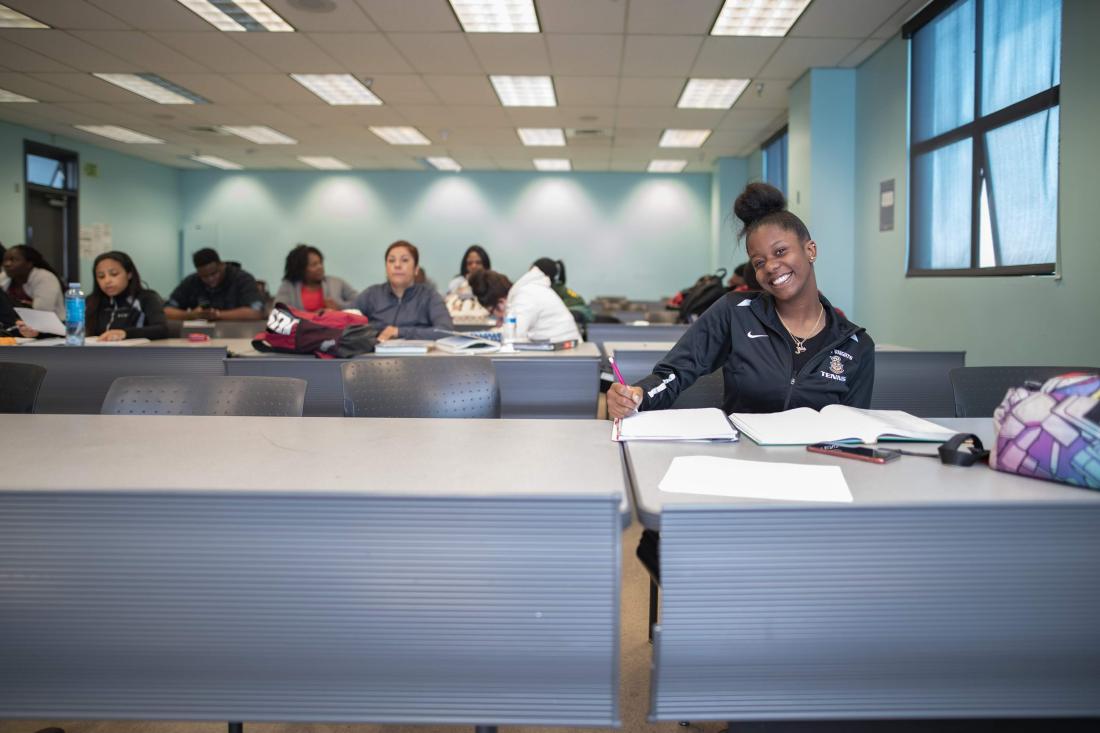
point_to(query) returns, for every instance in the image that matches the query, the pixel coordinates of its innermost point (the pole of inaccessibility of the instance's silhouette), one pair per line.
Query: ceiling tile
(463, 90)
(893, 25)
(217, 50)
(635, 92)
(585, 54)
(662, 117)
(290, 52)
(439, 53)
(662, 16)
(660, 55)
(726, 57)
(843, 18)
(362, 53)
(796, 55)
(411, 15)
(585, 90)
(88, 86)
(264, 114)
(66, 14)
(216, 88)
(68, 49)
(862, 52)
(403, 89)
(510, 53)
(19, 58)
(343, 16)
(432, 119)
(765, 94)
(748, 119)
(482, 136)
(592, 116)
(582, 16)
(142, 50)
(38, 89)
(278, 88)
(150, 16)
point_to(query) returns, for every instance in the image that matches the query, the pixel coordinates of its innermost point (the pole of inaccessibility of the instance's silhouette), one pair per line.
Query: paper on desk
(95, 341)
(715, 476)
(41, 321)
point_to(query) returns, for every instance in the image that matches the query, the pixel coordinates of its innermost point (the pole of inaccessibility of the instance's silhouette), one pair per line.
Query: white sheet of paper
(94, 341)
(41, 321)
(737, 479)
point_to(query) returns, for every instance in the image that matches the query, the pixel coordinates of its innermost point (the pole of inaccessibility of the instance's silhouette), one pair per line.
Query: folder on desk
(701, 424)
(837, 424)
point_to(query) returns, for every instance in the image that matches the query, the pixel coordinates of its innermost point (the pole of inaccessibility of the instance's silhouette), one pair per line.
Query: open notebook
(706, 423)
(837, 424)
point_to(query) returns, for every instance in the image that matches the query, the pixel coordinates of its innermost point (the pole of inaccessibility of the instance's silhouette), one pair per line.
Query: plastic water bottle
(74, 315)
(508, 328)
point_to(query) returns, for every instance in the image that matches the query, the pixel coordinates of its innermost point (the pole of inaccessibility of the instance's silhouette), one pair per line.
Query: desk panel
(78, 377)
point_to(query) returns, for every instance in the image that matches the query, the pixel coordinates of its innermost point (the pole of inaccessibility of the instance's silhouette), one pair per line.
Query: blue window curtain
(775, 163)
(943, 81)
(941, 182)
(1021, 50)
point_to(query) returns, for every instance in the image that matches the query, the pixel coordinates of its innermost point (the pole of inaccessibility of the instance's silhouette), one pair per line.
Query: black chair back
(979, 390)
(19, 386)
(206, 395)
(426, 386)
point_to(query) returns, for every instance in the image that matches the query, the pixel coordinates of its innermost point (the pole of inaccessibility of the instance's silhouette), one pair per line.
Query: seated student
(555, 270)
(305, 284)
(540, 313)
(119, 307)
(784, 348)
(401, 307)
(216, 291)
(31, 282)
(460, 300)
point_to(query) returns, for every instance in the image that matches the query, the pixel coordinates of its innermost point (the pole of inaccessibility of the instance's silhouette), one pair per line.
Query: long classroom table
(940, 592)
(312, 569)
(557, 384)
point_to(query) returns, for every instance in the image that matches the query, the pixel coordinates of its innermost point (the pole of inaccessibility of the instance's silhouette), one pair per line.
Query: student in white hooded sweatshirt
(540, 313)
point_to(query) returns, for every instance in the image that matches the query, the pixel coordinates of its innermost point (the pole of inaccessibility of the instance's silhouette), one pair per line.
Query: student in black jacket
(786, 347)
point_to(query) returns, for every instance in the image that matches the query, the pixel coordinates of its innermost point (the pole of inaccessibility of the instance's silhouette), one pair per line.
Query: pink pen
(618, 374)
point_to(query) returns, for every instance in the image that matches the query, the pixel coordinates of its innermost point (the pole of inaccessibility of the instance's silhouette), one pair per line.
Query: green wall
(139, 199)
(997, 320)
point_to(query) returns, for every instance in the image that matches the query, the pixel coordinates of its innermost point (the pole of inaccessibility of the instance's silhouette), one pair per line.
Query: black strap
(952, 454)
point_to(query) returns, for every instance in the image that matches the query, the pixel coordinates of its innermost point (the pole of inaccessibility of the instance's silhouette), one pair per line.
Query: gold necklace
(799, 342)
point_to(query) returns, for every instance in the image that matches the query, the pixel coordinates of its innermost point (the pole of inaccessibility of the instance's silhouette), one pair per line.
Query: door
(46, 215)
(51, 210)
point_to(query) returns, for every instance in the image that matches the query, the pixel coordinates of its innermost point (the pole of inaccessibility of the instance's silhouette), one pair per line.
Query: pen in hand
(629, 393)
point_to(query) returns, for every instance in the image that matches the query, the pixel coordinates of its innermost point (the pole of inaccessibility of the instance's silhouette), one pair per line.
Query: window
(983, 155)
(46, 171)
(775, 160)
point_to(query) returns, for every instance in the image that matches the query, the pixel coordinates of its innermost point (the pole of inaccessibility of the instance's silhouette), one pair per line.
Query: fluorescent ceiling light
(541, 136)
(14, 19)
(666, 166)
(496, 16)
(153, 87)
(337, 89)
(444, 163)
(525, 91)
(238, 15)
(711, 93)
(401, 135)
(324, 162)
(122, 134)
(216, 162)
(757, 17)
(259, 134)
(553, 164)
(683, 138)
(6, 96)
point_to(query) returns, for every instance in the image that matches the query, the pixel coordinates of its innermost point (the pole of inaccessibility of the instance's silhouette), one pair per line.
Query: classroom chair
(206, 395)
(979, 390)
(19, 386)
(435, 386)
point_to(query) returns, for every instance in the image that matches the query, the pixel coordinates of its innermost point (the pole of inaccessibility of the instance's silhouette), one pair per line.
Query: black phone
(858, 452)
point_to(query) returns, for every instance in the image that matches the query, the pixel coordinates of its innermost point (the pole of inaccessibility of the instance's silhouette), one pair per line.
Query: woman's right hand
(26, 331)
(623, 400)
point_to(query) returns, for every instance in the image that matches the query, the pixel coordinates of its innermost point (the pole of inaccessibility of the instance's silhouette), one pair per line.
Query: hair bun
(757, 201)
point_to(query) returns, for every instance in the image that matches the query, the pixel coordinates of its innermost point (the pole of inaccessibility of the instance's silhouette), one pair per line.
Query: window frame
(976, 131)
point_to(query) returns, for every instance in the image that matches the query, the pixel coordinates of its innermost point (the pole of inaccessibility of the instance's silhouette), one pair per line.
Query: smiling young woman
(783, 348)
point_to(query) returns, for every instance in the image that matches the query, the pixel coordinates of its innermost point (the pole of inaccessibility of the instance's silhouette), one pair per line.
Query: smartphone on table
(858, 452)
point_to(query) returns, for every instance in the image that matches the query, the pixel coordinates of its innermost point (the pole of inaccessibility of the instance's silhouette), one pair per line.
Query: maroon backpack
(327, 334)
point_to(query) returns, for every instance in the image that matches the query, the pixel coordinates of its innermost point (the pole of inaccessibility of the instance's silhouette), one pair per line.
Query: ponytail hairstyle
(132, 290)
(553, 269)
(762, 203)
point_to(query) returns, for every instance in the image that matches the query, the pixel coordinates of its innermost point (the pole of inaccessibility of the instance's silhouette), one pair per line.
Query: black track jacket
(743, 335)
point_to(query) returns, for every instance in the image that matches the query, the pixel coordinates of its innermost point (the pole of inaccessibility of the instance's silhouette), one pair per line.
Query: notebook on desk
(700, 424)
(466, 344)
(837, 424)
(403, 346)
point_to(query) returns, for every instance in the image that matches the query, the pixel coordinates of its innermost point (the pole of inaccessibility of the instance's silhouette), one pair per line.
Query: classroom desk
(553, 384)
(941, 592)
(313, 569)
(905, 379)
(78, 377)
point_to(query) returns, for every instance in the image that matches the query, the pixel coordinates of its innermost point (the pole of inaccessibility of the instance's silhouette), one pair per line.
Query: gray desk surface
(910, 480)
(315, 456)
(243, 348)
